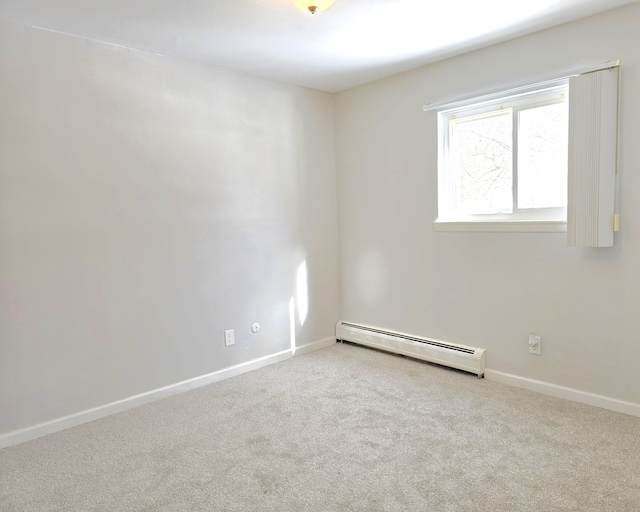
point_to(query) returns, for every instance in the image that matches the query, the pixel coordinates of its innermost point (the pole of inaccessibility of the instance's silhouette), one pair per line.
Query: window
(522, 160)
(504, 160)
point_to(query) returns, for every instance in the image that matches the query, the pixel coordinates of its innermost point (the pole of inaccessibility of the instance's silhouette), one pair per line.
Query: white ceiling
(353, 42)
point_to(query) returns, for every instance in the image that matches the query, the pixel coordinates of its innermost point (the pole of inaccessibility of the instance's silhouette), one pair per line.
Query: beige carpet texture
(342, 429)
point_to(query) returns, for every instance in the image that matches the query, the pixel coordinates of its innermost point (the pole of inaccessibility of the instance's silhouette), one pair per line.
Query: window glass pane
(542, 156)
(481, 163)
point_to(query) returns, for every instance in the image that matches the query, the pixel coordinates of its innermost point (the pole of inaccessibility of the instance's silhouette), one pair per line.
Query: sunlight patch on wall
(292, 324)
(302, 292)
(299, 301)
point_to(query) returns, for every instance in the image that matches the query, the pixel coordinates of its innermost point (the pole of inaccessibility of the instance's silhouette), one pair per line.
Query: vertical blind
(593, 141)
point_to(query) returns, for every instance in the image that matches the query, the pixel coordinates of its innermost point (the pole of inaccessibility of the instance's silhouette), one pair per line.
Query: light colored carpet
(342, 429)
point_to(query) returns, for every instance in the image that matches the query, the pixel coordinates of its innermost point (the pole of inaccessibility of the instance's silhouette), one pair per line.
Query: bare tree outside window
(542, 156)
(509, 159)
(482, 157)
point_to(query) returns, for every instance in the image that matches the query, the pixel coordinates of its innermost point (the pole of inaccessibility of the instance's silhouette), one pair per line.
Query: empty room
(341, 255)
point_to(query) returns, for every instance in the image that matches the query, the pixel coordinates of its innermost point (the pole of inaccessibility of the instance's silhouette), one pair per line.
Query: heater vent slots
(453, 355)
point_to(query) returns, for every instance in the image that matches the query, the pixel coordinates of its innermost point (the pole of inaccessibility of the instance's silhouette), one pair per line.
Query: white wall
(147, 204)
(490, 289)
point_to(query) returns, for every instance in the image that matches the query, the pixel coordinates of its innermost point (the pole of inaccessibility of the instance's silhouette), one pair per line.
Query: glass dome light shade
(313, 6)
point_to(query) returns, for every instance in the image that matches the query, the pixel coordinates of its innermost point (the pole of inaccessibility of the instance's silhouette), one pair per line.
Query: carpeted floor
(341, 429)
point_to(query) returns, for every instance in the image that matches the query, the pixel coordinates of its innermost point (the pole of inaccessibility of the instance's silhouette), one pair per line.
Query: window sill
(513, 226)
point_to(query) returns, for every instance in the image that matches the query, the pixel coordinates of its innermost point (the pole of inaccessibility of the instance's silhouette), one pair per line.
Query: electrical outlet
(534, 344)
(229, 338)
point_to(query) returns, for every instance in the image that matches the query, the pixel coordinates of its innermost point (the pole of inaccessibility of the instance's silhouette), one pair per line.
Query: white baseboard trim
(575, 395)
(73, 420)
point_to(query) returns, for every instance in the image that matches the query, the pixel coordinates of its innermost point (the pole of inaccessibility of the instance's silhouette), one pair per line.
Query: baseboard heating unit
(469, 359)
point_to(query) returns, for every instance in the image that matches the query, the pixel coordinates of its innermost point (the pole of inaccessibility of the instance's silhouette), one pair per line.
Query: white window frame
(538, 219)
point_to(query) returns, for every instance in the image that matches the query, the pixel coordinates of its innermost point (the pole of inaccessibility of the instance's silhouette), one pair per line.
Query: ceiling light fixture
(313, 6)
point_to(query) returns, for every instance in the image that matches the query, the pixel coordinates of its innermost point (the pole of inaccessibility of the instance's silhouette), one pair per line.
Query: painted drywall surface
(490, 289)
(147, 204)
